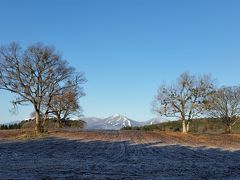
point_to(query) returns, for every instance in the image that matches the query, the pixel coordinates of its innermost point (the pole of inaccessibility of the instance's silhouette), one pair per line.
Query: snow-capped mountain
(114, 122)
(118, 121)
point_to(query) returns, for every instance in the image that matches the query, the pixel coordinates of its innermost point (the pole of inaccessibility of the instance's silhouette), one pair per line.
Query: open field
(117, 155)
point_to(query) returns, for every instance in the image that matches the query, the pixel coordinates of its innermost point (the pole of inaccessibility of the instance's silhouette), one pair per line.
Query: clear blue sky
(127, 48)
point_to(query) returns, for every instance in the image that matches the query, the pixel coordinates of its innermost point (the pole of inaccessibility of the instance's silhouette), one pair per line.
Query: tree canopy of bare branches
(184, 100)
(65, 104)
(225, 104)
(36, 75)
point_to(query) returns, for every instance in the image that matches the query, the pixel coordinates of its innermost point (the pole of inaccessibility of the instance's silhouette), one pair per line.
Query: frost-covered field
(120, 155)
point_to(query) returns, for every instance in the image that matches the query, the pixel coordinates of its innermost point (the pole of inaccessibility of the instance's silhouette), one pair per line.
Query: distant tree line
(40, 76)
(196, 97)
(52, 122)
(10, 126)
(198, 126)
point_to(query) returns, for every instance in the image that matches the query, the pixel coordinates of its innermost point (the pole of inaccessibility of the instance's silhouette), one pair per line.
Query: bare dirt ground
(118, 155)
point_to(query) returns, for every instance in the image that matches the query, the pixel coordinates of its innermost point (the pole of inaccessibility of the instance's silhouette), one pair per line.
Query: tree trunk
(45, 124)
(184, 128)
(38, 123)
(188, 126)
(59, 124)
(229, 129)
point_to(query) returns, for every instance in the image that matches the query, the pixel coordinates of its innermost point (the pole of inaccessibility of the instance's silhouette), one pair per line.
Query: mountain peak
(116, 115)
(116, 122)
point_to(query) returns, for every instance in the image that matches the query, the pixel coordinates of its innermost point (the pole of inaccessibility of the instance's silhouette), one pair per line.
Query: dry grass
(225, 141)
(20, 134)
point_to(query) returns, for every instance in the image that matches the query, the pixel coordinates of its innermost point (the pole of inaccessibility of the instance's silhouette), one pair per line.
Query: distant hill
(114, 122)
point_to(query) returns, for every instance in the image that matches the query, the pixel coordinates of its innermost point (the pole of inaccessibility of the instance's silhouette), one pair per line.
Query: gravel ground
(114, 155)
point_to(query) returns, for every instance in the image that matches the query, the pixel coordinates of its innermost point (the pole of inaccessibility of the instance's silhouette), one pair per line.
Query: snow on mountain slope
(114, 122)
(118, 121)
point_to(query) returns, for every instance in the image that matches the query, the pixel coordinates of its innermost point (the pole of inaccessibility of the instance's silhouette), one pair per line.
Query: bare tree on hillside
(35, 74)
(185, 100)
(225, 104)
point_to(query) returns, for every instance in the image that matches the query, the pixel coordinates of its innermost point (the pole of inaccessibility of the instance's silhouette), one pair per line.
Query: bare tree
(185, 100)
(225, 104)
(65, 104)
(35, 74)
